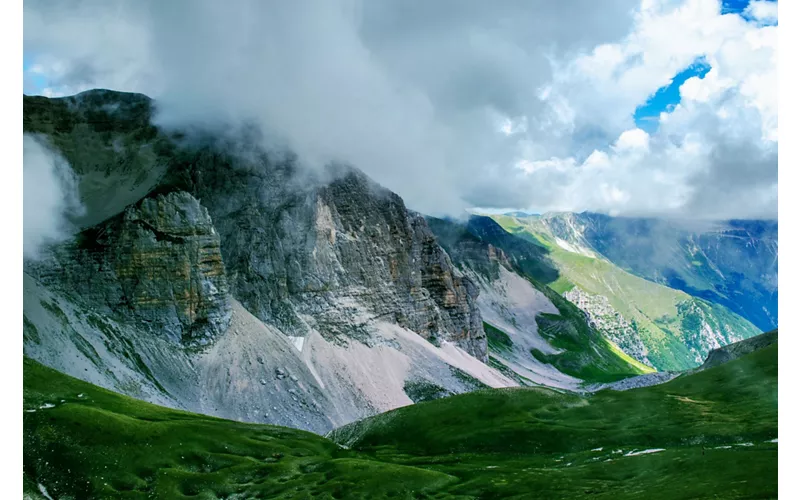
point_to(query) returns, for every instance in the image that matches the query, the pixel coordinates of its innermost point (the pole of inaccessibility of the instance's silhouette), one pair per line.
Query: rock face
(609, 321)
(329, 255)
(158, 264)
(170, 267)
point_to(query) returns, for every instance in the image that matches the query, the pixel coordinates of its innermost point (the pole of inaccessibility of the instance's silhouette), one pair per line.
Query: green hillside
(716, 428)
(713, 432)
(81, 441)
(672, 325)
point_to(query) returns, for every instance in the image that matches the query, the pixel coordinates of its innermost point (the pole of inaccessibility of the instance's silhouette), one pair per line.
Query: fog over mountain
(452, 105)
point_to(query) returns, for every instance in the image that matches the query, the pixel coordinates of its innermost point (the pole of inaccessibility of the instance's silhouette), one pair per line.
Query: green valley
(714, 430)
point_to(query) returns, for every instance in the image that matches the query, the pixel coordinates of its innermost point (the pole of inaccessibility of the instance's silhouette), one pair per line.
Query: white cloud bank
(455, 104)
(50, 196)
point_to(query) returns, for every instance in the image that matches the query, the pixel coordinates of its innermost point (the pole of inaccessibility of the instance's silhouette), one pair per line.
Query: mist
(50, 197)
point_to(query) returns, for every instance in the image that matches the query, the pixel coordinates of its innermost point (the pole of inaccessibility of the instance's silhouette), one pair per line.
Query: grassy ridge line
(733, 402)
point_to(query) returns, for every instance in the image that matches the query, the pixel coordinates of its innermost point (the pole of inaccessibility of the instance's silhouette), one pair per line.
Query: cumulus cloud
(455, 104)
(50, 196)
(765, 12)
(714, 154)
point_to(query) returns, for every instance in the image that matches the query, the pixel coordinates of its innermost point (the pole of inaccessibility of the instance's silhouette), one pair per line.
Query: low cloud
(455, 104)
(50, 197)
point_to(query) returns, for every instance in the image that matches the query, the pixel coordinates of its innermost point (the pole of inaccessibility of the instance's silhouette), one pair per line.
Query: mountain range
(209, 276)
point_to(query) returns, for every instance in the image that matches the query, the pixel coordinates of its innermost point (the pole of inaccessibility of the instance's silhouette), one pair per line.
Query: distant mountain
(660, 326)
(519, 214)
(731, 263)
(212, 277)
(222, 282)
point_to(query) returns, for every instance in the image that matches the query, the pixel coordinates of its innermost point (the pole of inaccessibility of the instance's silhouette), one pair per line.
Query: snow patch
(644, 452)
(597, 449)
(575, 248)
(47, 406)
(298, 342)
(44, 492)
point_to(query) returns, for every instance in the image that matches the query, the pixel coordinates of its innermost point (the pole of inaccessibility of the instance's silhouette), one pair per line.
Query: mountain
(659, 326)
(731, 263)
(82, 441)
(531, 328)
(211, 276)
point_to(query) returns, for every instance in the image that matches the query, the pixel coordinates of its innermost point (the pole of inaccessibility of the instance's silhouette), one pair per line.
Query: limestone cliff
(328, 255)
(158, 264)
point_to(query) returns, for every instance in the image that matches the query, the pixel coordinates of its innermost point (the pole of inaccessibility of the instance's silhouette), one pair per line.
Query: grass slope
(714, 427)
(586, 354)
(669, 321)
(94, 443)
(81, 441)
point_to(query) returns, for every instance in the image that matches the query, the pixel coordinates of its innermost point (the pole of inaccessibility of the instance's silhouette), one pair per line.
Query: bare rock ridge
(300, 249)
(159, 264)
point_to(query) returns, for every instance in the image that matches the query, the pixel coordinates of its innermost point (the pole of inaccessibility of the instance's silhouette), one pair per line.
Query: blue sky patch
(33, 83)
(734, 6)
(665, 98)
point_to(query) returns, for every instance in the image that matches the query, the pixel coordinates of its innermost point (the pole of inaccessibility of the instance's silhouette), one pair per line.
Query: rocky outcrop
(158, 264)
(612, 324)
(455, 296)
